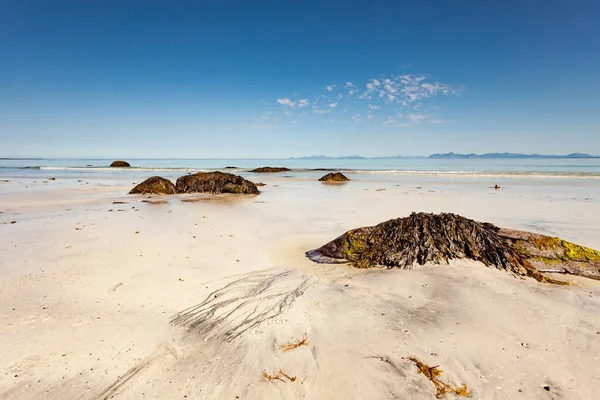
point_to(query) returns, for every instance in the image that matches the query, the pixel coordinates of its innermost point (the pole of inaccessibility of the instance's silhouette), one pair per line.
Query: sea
(542, 168)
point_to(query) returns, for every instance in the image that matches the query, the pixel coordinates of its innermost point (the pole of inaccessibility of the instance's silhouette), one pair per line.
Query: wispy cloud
(393, 100)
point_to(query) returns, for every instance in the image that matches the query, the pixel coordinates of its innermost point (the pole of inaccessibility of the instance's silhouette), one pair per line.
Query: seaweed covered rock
(120, 164)
(270, 169)
(551, 254)
(334, 177)
(426, 238)
(215, 182)
(154, 185)
(184, 183)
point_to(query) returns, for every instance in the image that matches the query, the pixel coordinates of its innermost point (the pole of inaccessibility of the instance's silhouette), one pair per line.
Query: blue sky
(104, 78)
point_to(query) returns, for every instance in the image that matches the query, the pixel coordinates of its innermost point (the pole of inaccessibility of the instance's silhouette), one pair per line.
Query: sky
(260, 79)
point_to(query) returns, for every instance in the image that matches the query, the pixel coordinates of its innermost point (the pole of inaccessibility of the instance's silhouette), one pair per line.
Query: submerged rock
(334, 177)
(120, 163)
(430, 238)
(215, 182)
(270, 169)
(154, 185)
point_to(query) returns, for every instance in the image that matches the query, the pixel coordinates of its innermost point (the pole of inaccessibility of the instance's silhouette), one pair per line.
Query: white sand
(87, 301)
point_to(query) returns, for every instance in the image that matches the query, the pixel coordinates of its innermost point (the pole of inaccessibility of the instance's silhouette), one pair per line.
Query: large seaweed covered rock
(426, 238)
(120, 164)
(551, 254)
(334, 177)
(270, 169)
(154, 185)
(215, 182)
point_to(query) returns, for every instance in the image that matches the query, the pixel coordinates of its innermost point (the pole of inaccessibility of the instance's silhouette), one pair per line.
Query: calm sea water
(582, 168)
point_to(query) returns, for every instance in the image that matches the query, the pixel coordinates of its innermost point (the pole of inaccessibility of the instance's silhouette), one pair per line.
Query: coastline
(89, 294)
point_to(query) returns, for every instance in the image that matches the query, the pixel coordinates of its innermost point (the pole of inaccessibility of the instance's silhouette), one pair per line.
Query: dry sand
(88, 296)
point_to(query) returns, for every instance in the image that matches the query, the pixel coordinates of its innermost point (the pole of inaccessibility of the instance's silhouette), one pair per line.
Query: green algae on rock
(423, 238)
(154, 185)
(551, 254)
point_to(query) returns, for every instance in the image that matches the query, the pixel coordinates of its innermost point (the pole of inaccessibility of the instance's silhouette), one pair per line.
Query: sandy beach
(93, 283)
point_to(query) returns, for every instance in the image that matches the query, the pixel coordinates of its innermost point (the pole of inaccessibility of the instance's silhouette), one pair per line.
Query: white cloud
(321, 111)
(330, 88)
(286, 102)
(373, 84)
(416, 118)
(374, 107)
(333, 105)
(302, 103)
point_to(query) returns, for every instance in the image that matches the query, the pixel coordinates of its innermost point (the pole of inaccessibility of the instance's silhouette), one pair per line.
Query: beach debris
(51, 179)
(119, 202)
(215, 183)
(423, 238)
(180, 280)
(380, 190)
(281, 374)
(270, 378)
(120, 164)
(154, 185)
(334, 177)
(260, 184)
(495, 187)
(295, 344)
(270, 169)
(441, 387)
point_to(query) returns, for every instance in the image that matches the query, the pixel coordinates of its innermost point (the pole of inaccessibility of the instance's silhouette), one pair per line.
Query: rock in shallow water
(437, 238)
(120, 163)
(154, 185)
(270, 169)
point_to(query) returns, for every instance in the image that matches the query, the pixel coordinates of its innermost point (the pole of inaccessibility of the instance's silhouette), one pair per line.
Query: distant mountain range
(455, 156)
(509, 155)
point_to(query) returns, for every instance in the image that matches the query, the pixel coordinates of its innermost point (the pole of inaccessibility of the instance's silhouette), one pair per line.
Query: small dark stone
(547, 388)
(120, 164)
(334, 177)
(270, 169)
